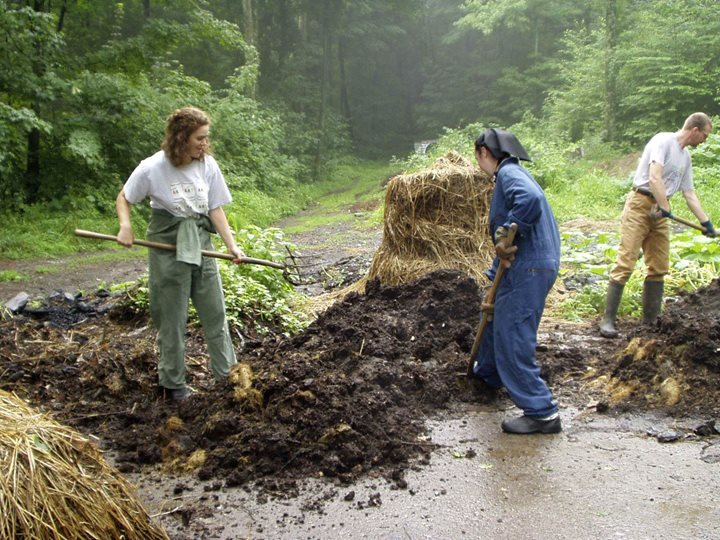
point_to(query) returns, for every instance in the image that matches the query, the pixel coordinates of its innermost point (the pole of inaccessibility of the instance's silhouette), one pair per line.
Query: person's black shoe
(527, 425)
(176, 394)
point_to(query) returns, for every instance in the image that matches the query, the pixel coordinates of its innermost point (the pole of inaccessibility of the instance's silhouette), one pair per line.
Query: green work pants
(172, 284)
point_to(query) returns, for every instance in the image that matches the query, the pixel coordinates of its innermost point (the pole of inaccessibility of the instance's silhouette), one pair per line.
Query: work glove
(487, 308)
(658, 213)
(503, 249)
(710, 231)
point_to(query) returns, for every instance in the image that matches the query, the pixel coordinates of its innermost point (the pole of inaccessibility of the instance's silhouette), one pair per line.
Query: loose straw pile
(55, 484)
(435, 219)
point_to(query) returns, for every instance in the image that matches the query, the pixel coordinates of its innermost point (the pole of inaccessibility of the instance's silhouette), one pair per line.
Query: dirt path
(70, 274)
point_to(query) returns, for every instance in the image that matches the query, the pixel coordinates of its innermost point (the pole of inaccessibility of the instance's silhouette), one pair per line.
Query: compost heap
(435, 219)
(675, 364)
(347, 397)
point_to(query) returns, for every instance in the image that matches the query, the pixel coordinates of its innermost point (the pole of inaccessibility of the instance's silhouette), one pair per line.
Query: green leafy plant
(694, 263)
(254, 294)
(259, 293)
(11, 275)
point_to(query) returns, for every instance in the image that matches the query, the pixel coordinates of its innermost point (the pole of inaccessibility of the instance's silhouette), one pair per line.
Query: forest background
(306, 95)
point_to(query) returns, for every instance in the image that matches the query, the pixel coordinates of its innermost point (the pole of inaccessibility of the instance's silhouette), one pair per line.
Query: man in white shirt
(664, 169)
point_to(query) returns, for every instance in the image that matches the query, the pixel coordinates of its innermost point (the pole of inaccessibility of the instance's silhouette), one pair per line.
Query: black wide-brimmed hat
(501, 144)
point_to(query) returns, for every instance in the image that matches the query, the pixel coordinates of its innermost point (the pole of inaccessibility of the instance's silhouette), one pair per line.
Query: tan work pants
(640, 231)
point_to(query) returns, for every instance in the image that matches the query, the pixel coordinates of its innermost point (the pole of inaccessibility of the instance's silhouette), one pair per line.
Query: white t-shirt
(665, 150)
(184, 191)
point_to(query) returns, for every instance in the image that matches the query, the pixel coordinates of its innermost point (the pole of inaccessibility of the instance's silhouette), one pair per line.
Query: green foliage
(11, 275)
(658, 82)
(588, 195)
(254, 295)
(29, 80)
(665, 80)
(249, 140)
(574, 108)
(15, 125)
(694, 263)
(706, 157)
(554, 159)
(137, 295)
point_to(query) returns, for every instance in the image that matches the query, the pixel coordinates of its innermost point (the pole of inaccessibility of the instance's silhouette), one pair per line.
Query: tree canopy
(85, 85)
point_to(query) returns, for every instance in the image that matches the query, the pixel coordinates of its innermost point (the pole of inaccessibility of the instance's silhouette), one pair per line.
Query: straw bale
(435, 219)
(55, 483)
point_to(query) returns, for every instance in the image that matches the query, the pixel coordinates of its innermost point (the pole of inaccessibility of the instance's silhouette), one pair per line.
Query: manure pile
(346, 396)
(675, 364)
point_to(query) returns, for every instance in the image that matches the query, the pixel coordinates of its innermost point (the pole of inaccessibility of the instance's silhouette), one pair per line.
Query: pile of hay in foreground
(435, 219)
(54, 483)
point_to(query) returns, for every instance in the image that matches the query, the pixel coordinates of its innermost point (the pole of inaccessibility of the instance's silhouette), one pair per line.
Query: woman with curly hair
(187, 191)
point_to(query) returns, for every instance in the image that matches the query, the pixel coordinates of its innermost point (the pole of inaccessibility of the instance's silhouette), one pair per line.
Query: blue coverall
(507, 353)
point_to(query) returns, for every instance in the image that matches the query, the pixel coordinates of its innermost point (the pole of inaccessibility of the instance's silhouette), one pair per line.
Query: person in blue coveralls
(506, 357)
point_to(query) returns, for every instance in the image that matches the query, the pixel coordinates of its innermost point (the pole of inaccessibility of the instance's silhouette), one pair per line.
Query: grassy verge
(354, 193)
(39, 232)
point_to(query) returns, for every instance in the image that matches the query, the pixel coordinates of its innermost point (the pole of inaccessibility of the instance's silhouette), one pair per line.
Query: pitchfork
(290, 267)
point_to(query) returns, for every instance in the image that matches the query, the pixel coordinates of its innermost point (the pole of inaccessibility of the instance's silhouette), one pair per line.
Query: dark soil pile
(347, 397)
(674, 365)
(350, 393)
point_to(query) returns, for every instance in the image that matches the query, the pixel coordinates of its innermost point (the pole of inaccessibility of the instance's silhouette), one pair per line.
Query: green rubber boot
(652, 300)
(614, 295)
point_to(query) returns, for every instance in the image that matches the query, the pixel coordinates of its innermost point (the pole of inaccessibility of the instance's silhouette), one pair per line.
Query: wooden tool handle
(489, 299)
(171, 247)
(689, 223)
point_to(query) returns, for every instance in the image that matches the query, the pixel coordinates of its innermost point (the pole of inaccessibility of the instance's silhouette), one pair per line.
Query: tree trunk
(249, 25)
(146, 9)
(344, 99)
(61, 16)
(324, 79)
(611, 98)
(32, 169)
(250, 33)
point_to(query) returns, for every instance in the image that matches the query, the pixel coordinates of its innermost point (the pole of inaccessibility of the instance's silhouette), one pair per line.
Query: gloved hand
(503, 248)
(709, 229)
(658, 213)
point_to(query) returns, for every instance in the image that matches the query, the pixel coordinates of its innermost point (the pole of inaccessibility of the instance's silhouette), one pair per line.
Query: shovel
(653, 213)
(689, 223)
(290, 268)
(489, 299)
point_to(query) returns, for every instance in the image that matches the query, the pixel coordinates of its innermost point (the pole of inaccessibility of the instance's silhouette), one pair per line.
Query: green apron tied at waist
(174, 280)
(190, 235)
